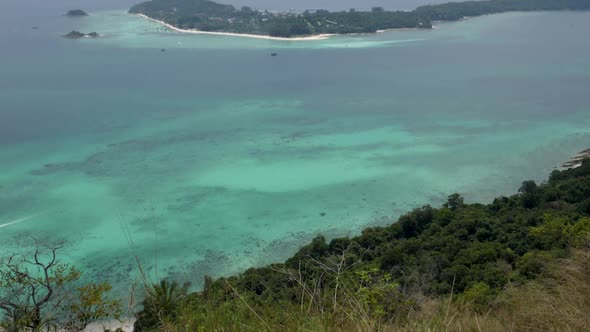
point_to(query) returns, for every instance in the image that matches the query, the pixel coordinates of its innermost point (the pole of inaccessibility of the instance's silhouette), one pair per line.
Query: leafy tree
(378, 292)
(561, 232)
(91, 306)
(454, 202)
(533, 263)
(529, 191)
(478, 297)
(38, 292)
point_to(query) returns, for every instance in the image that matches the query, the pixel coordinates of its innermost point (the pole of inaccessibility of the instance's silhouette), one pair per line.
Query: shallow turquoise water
(214, 156)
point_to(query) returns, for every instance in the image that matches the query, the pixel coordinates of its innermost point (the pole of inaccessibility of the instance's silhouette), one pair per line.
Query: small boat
(273, 54)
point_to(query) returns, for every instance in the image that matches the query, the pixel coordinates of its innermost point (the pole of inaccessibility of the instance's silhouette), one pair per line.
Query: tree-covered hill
(206, 15)
(454, 11)
(473, 254)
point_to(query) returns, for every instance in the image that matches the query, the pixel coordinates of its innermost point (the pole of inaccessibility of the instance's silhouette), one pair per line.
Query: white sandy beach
(171, 27)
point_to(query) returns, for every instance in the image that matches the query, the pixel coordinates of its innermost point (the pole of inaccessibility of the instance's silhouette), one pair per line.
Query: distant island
(209, 16)
(77, 35)
(76, 13)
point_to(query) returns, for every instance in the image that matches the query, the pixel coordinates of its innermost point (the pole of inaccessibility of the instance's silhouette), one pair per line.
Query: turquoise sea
(212, 156)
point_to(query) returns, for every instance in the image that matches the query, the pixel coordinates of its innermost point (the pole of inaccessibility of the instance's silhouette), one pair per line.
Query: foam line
(18, 221)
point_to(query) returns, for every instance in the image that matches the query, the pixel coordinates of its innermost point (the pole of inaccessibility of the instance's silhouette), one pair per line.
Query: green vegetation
(452, 267)
(76, 13)
(454, 11)
(38, 293)
(162, 302)
(78, 35)
(206, 15)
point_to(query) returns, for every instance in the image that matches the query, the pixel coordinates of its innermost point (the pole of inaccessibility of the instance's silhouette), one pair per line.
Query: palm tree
(160, 305)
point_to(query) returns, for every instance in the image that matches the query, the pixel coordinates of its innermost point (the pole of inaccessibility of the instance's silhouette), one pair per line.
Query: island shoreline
(197, 17)
(232, 34)
(576, 161)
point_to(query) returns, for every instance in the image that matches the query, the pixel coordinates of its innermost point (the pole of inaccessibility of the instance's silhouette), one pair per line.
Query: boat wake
(18, 221)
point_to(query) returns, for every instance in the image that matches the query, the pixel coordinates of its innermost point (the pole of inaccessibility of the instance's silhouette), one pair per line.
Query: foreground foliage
(519, 263)
(38, 293)
(206, 15)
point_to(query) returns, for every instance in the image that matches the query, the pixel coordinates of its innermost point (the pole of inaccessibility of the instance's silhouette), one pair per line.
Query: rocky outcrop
(77, 35)
(76, 13)
(576, 161)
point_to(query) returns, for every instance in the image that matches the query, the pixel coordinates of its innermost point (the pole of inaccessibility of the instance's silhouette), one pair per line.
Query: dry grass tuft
(559, 301)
